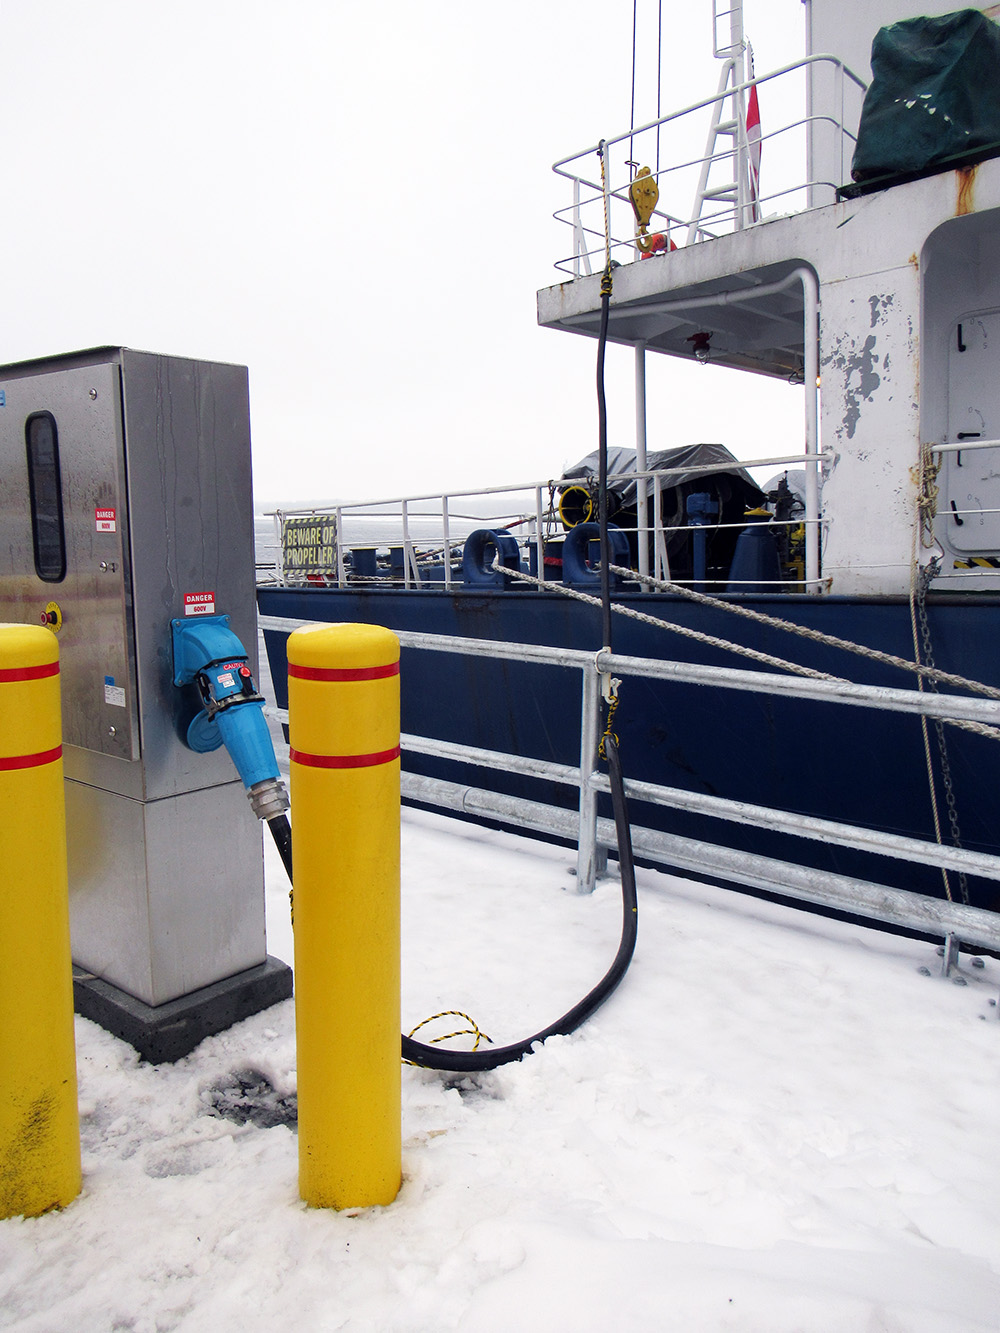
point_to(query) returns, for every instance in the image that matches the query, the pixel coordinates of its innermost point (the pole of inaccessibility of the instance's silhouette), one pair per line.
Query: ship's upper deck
(727, 218)
(738, 288)
(751, 186)
(866, 298)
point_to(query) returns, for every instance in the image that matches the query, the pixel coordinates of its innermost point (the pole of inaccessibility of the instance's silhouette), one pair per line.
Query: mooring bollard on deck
(343, 710)
(39, 1120)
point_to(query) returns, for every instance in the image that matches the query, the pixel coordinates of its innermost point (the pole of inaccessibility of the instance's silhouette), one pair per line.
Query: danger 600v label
(199, 603)
(106, 520)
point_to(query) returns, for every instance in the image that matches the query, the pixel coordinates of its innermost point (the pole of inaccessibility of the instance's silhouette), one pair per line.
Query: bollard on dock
(343, 708)
(39, 1119)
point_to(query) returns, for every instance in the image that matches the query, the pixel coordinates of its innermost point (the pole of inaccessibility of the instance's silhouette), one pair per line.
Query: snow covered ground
(777, 1123)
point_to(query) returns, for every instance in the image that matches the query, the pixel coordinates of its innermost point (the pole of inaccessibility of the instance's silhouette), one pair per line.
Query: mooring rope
(765, 659)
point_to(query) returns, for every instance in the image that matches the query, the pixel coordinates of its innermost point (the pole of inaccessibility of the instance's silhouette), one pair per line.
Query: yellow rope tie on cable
(473, 1030)
(606, 279)
(613, 702)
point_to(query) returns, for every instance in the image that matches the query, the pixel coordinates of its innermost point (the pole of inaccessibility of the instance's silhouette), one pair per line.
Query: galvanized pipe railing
(876, 901)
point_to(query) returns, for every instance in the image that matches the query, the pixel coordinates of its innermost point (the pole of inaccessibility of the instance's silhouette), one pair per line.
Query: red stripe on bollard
(343, 673)
(11, 674)
(344, 760)
(30, 760)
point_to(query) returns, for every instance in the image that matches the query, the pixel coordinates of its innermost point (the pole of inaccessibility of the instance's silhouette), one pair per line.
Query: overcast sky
(354, 200)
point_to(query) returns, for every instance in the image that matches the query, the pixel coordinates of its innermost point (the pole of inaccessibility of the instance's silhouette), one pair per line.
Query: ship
(865, 269)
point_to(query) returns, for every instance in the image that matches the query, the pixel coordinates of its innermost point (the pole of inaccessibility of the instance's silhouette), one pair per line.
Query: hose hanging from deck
(433, 1057)
(437, 1057)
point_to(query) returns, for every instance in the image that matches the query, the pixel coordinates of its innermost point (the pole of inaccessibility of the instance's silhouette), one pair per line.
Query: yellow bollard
(343, 710)
(39, 1120)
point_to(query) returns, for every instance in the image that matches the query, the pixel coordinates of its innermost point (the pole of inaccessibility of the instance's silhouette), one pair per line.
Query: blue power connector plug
(209, 655)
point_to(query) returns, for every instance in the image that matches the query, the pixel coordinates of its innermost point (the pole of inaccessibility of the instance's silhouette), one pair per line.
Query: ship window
(47, 531)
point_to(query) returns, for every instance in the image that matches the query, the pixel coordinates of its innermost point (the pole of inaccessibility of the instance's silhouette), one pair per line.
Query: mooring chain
(923, 475)
(918, 609)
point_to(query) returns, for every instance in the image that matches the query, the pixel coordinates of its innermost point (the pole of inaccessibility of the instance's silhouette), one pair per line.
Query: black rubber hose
(438, 1057)
(281, 832)
(435, 1057)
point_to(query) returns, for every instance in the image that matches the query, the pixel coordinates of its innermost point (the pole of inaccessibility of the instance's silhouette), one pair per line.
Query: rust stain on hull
(966, 201)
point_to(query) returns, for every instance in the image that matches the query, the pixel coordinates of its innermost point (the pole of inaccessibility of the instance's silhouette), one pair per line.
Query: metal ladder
(731, 126)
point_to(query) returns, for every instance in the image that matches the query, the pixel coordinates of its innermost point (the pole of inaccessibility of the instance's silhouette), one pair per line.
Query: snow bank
(777, 1123)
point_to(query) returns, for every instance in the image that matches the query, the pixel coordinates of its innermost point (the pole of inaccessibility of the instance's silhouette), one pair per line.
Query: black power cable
(433, 1057)
(437, 1057)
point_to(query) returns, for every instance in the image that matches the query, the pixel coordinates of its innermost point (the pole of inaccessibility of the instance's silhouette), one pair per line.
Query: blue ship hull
(858, 765)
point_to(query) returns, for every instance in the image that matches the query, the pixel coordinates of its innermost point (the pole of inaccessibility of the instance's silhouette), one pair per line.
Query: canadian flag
(753, 148)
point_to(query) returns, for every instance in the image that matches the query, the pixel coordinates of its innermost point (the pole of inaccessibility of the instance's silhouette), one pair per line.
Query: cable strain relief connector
(268, 799)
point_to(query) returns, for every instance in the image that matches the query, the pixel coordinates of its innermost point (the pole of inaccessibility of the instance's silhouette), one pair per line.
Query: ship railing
(790, 156)
(417, 540)
(594, 835)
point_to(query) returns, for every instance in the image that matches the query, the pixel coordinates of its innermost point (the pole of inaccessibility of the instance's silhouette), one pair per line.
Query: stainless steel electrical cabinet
(125, 501)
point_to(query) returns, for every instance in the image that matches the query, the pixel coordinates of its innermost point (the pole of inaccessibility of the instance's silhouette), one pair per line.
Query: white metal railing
(784, 156)
(962, 446)
(594, 836)
(427, 531)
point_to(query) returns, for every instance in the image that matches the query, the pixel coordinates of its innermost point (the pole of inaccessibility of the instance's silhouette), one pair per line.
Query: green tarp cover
(934, 95)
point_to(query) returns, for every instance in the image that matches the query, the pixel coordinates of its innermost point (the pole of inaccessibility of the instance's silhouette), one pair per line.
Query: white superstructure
(908, 287)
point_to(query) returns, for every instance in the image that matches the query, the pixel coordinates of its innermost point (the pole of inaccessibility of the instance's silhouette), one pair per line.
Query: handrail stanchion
(446, 534)
(539, 532)
(39, 1120)
(343, 709)
(642, 484)
(587, 856)
(579, 243)
(407, 552)
(662, 562)
(810, 316)
(338, 533)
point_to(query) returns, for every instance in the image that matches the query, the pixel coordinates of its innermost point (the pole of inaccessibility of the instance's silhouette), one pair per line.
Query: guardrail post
(641, 485)
(39, 1120)
(343, 711)
(588, 857)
